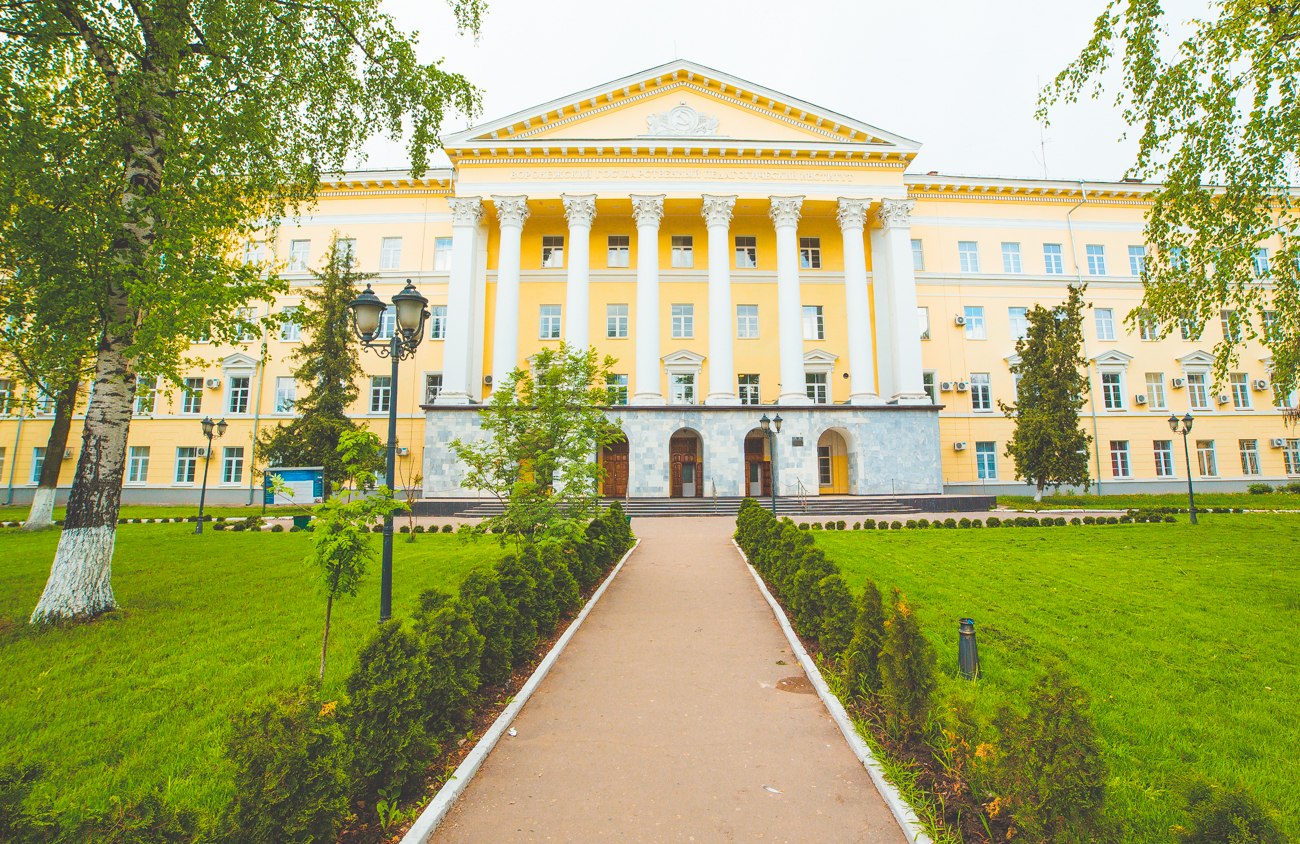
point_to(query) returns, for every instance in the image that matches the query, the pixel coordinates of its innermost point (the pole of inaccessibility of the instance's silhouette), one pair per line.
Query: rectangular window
(6, 395)
(192, 396)
(381, 393)
(1260, 259)
(1053, 264)
(1198, 392)
(1269, 322)
(1105, 323)
(923, 320)
(974, 322)
(981, 393)
(749, 389)
(1011, 258)
(38, 463)
(968, 256)
(1096, 259)
(618, 250)
(432, 386)
(1206, 463)
(1019, 319)
(1112, 390)
(442, 254)
(810, 253)
(248, 331)
(146, 395)
(348, 251)
(254, 252)
(815, 384)
(1137, 260)
(918, 255)
(1156, 391)
(1164, 453)
(387, 324)
(986, 460)
(1179, 259)
(824, 472)
(299, 254)
(683, 389)
(746, 252)
(1240, 391)
(1291, 456)
(237, 394)
(1147, 329)
(437, 322)
(390, 253)
(683, 321)
(616, 388)
(1249, 456)
(1119, 463)
(814, 325)
(928, 384)
(549, 322)
(2, 461)
(286, 393)
(1231, 331)
(1188, 329)
(187, 459)
(683, 253)
(290, 330)
(746, 322)
(44, 402)
(616, 321)
(553, 250)
(232, 464)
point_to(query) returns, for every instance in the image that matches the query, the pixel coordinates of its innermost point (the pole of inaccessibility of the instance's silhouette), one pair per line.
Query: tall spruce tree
(327, 365)
(1048, 446)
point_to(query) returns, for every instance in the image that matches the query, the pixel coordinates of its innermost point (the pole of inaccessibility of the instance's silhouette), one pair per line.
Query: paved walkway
(667, 719)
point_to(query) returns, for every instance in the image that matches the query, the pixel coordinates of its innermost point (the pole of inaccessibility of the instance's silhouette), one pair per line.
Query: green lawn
(1185, 636)
(142, 698)
(1272, 501)
(163, 511)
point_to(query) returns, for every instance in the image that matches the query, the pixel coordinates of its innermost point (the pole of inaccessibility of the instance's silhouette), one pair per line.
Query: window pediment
(819, 360)
(683, 362)
(238, 364)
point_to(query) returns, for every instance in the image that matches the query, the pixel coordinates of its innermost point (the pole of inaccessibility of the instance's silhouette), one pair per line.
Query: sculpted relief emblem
(682, 120)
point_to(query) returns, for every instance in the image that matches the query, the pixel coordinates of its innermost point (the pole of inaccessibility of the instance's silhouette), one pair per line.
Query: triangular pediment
(682, 361)
(1197, 358)
(1114, 357)
(238, 361)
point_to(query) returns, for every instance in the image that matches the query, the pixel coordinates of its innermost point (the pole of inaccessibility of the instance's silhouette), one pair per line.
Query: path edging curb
(433, 814)
(902, 812)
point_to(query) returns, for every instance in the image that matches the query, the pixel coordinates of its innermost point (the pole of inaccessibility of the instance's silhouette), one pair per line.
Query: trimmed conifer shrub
(557, 559)
(452, 647)
(1227, 815)
(520, 590)
(837, 615)
(496, 620)
(861, 658)
(907, 680)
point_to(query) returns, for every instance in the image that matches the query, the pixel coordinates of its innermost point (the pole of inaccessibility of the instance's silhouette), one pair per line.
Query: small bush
(447, 528)
(379, 528)
(494, 618)
(1112, 520)
(147, 819)
(1170, 519)
(238, 526)
(218, 525)
(963, 522)
(950, 523)
(17, 821)
(830, 525)
(419, 529)
(1076, 521)
(839, 524)
(1259, 489)
(1223, 816)
(883, 525)
(912, 523)
(404, 529)
(520, 589)
(1060, 521)
(976, 523)
(1090, 520)
(277, 528)
(868, 524)
(1293, 487)
(805, 526)
(922, 523)
(451, 647)
(861, 659)
(907, 679)
(895, 525)
(857, 525)
(816, 526)
(994, 521)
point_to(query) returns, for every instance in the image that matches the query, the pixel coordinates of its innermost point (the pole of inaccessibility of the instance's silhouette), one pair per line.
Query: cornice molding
(721, 160)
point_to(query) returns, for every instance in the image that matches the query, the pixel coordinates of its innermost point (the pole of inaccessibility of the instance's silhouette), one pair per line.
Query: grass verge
(1272, 501)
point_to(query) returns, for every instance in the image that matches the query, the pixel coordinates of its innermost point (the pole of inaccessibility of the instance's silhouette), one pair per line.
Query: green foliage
(520, 590)
(861, 658)
(836, 626)
(546, 609)
(907, 674)
(1227, 816)
(496, 619)
(1050, 773)
(18, 822)
(1047, 445)
(564, 587)
(148, 819)
(291, 780)
(1260, 489)
(451, 647)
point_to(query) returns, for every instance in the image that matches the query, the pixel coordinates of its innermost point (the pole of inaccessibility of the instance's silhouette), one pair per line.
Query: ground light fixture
(411, 312)
(968, 654)
(209, 427)
(1184, 426)
(771, 427)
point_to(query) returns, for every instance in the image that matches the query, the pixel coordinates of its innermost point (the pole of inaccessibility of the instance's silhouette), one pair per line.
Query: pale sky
(960, 77)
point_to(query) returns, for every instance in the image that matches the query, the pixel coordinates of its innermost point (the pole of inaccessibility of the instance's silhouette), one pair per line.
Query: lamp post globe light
(208, 427)
(771, 427)
(411, 313)
(1184, 426)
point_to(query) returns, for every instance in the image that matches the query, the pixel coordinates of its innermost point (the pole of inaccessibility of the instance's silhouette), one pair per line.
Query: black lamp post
(1185, 428)
(411, 313)
(768, 425)
(208, 427)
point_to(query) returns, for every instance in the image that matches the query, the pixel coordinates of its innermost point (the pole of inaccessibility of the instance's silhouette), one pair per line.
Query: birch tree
(210, 119)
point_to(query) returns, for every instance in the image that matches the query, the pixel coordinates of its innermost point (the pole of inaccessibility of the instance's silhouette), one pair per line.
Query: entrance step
(814, 506)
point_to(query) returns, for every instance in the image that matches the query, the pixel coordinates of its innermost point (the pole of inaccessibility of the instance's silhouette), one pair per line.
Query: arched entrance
(686, 464)
(613, 459)
(832, 464)
(758, 465)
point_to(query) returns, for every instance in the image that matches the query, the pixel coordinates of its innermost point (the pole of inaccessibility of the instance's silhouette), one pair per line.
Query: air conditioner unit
(402, 451)
(1261, 384)
(959, 446)
(1140, 398)
(67, 454)
(213, 383)
(487, 379)
(945, 386)
(202, 451)
(1278, 442)
(959, 321)
(962, 386)
(1224, 398)
(1179, 383)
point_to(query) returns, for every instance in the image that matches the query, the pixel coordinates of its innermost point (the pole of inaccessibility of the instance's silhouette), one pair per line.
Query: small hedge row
(1268, 489)
(993, 521)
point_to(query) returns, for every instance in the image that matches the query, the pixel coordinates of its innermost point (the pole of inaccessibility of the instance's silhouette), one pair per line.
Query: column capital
(511, 210)
(895, 213)
(785, 210)
(648, 209)
(579, 209)
(717, 210)
(466, 210)
(852, 213)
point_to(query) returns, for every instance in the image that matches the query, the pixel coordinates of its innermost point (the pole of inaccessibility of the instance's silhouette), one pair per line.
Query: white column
(722, 367)
(457, 352)
(512, 211)
(785, 216)
(648, 211)
(580, 211)
(852, 216)
(899, 284)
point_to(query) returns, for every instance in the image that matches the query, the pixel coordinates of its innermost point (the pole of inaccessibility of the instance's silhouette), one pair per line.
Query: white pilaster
(580, 211)
(785, 216)
(722, 369)
(899, 283)
(458, 352)
(512, 211)
(648, 211)
(852, 216)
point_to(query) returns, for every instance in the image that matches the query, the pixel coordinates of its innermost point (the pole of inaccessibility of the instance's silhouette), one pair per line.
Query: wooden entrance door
(614, 461)
(685, 465)
(758, 471)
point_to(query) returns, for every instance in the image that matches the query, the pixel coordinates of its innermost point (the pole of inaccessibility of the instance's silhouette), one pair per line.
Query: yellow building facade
(740, 252)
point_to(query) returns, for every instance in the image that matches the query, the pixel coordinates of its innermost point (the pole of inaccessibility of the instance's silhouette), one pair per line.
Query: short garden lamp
(1184, 426)
(208, 427)
(968, 655)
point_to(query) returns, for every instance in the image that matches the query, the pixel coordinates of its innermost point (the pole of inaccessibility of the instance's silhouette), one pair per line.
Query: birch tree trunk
(41, 514)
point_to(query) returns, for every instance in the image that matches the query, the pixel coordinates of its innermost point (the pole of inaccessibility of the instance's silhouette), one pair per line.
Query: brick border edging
(898, 807)
(433, 814)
